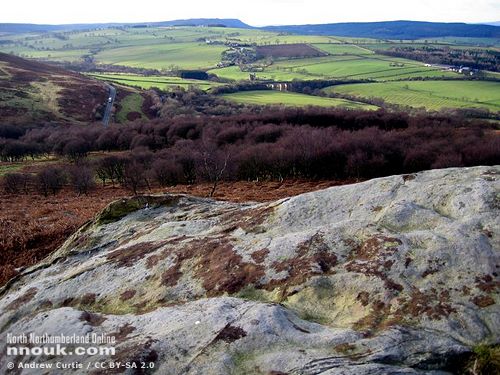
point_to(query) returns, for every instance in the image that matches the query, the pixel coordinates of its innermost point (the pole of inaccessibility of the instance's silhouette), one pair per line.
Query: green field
(343, 49)
(432, 95)
(17, 167)
(65, 55)
(169, 49)
(292, 99)
(152, 47)
(147, 82)
(131, 103)
(375, 67)
(235, 73)
(164, 56)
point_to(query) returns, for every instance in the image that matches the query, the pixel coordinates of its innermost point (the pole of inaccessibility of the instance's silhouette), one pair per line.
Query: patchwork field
(296, 50)
(170, 48)
(344, 49)
(284, 57)
(62, 56)
(279, 74)
(83, 43)
(374, 67)
(293, 99)
(164, 56)
(148, 82)
(432, 95)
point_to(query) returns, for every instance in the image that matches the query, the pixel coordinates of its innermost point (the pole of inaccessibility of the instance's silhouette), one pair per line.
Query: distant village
(466, 70)
(238, 54)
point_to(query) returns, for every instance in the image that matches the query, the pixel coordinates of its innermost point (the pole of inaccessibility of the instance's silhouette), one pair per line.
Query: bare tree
(82, 178)
(212, 164)
(15, 183)
(76, 149)
(135, 176)
(51, 180)
(166, 172)
(111, 168)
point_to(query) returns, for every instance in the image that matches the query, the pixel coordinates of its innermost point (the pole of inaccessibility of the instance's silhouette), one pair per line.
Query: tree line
(483, 59)
(276, 144)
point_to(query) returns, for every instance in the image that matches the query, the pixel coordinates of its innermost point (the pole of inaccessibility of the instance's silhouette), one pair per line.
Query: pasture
(370, 67)
(114, 44)
(301, 50)
(235, 73)
(148, 82)
(432, 95)
(130, 108)
(293, 99)
(164, 56)
(344, 49)
(168, 49)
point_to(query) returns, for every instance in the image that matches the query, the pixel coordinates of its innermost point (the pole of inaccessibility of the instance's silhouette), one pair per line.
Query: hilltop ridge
(401, 29)
(394, 30)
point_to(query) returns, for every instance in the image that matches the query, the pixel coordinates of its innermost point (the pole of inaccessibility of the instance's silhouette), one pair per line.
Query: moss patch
(484, 360)
(323, 303)
(253, 294)
(121, 208)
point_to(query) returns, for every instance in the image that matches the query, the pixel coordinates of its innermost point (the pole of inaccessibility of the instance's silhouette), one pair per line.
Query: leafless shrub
(50, 180)
(16, 183)
(81, 178)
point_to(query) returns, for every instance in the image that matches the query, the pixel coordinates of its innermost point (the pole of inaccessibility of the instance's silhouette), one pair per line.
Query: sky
(253, 12)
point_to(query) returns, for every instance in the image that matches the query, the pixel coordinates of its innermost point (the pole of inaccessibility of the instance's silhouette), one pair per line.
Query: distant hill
(378, 30)
(16, 28)
(394, 30)
(227, 22)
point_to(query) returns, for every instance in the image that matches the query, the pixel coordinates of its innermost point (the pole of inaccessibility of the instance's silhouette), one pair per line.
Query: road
(109, 106)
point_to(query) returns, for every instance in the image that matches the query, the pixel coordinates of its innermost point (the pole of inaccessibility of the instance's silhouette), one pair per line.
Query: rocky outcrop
(393, 275)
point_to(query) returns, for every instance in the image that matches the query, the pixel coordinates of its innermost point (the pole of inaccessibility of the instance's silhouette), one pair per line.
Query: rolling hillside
(293, 99)
(31, 91)
(15, 28)
(142, 56)
(384, 30)
(34, 93)
(394, 30)
(433, 95)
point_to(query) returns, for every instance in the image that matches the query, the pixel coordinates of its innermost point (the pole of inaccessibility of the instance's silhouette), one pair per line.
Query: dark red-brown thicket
(276, 144)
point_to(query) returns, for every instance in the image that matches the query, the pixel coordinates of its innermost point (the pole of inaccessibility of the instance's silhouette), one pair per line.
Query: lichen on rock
(393, 275)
